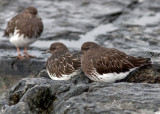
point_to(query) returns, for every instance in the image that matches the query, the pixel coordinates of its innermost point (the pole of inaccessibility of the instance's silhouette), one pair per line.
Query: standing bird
(24, 29)
(108, 64)
(62, 64)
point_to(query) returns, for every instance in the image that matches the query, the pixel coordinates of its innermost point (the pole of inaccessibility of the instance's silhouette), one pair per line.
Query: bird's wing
(64, 65)
(113, 60)
(33, 27)
(11, 26)
(28, 26)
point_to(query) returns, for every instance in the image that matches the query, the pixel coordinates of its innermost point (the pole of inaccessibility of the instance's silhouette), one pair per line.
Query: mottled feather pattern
(100, 62)
(63, 63)
(11, 26)
(113, 60)
(29, 26)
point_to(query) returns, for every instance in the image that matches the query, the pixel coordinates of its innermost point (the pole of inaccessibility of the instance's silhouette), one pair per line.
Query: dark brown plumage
(27, 22)
(62, 64)
(24, 29)
(97, 61)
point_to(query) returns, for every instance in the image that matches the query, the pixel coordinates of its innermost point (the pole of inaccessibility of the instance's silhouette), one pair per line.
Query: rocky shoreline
(131, 26)
(83, 96)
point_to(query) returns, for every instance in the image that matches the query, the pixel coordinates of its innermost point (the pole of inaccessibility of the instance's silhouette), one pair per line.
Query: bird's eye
(86, 48)
(52, 48)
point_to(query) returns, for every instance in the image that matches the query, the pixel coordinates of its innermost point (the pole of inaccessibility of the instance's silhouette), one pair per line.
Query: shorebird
(62, 64)
(24, 29)
(108, 64)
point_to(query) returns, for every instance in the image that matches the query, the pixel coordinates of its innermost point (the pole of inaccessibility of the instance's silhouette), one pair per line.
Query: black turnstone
(24, 29)
(62, 64)
(108, 64)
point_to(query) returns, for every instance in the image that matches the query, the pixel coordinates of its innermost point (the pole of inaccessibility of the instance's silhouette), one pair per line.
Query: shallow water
(89, 36)
(125, 25)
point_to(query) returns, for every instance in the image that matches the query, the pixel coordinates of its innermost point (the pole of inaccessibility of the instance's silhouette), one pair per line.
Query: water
(89, 36)
(60, 16)
(146, 20)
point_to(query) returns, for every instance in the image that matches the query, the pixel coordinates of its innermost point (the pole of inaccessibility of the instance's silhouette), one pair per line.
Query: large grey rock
(13, 70)
(41, 95)
(146, 74)
(23, 68)
(20, 108)
(119, 98)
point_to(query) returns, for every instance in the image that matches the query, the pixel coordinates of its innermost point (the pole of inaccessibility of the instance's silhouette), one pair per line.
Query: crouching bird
(108, 64)
(62, 64)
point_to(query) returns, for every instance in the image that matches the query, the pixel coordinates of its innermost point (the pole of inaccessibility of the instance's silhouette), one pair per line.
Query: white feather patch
(20, 41)
(109, 77)
(64, 77)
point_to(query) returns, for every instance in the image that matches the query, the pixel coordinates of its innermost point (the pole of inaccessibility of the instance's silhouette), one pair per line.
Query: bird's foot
(20, 57)
(29, 56)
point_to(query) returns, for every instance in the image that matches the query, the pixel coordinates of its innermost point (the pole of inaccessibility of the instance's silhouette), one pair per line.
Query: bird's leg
(19, 55)
(27, 55)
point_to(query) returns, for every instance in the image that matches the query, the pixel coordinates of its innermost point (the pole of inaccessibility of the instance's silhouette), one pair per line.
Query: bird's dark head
(31, 10)
(88, 46)
(57, 47)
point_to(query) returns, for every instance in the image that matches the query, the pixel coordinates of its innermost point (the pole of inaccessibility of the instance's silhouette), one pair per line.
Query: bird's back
(63, 63)
(27, 26)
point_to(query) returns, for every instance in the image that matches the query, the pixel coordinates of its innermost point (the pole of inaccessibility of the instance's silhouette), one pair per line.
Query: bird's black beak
(48, 51)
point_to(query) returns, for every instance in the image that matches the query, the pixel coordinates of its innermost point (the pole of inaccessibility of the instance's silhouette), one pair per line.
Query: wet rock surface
(131, 26)
(145, 74)
(13, 70)
(80, 96)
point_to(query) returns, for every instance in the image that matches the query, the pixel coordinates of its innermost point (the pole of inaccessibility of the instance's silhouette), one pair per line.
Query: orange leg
(19, 55)
(27, 55)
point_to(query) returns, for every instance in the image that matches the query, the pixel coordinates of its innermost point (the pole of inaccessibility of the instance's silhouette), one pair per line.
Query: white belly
(20, 41)
(110, 77)
(64, 77)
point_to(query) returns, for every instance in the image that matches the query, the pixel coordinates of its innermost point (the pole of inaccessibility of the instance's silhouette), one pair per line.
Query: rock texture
(13, 70)
(146, 74)
(80, 96)
(129, 25)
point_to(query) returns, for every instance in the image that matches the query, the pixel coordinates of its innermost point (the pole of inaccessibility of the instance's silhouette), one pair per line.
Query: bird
(62, 64)
(108, 64)
(24, 29)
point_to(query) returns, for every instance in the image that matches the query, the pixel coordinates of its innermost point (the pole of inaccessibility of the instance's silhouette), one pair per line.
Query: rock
(21, 68)
(32, 92)
(16, 92)
(39, 98)
(146, 74)
(14, 70)
(41, 95)
(113, 98)
(43, 73)
(20, 108)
